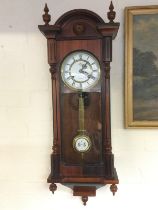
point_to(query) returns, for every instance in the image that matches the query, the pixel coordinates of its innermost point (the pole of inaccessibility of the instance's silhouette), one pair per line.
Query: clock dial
(80, 70)
(82, 143)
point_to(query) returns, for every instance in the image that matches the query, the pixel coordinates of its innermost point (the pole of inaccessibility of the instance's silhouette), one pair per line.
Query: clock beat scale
(79, 54)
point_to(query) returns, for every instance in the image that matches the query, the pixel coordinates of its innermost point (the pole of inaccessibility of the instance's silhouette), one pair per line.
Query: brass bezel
(63, 64)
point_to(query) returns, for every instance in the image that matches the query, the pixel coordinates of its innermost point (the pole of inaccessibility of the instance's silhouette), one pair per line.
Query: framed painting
(141, 67)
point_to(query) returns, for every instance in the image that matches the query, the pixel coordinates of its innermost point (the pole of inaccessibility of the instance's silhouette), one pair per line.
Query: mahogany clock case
(81, 30)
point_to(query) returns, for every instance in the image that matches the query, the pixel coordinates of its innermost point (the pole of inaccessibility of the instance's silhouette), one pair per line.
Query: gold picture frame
(141, 67)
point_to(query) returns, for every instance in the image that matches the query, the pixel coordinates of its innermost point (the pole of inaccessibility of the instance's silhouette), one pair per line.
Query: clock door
(81, 108)
(81, 116)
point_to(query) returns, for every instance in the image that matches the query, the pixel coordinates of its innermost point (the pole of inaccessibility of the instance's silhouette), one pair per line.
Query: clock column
(108, 31)
(50, 32)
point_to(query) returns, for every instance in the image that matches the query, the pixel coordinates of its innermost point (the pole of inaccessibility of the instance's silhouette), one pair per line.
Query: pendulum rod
(81, 129)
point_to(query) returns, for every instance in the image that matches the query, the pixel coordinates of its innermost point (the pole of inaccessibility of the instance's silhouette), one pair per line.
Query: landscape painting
(141, 85)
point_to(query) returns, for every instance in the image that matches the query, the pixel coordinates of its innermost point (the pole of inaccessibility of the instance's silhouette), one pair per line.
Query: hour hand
(84, 66)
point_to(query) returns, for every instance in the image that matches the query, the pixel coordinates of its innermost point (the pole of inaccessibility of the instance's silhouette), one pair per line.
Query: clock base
(84, 192)
(83, 188)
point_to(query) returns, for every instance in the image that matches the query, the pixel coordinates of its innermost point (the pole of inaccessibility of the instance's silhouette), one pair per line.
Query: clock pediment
(79, 24)
(77, 13)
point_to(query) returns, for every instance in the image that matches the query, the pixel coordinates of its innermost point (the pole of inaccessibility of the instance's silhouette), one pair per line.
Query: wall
(26, 117)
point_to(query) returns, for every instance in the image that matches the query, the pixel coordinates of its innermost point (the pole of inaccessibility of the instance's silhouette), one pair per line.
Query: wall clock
(79, 55)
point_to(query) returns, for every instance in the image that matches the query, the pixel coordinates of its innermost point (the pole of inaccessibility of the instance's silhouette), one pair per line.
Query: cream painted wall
(26, 117)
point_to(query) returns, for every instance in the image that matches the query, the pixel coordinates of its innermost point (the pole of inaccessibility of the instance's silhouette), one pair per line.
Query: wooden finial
(84, 200)
(53, 187)
(111, 14)
(46, 16)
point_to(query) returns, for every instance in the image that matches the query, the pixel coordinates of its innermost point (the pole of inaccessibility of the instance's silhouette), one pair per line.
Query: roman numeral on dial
(70, 77)
(91, 77)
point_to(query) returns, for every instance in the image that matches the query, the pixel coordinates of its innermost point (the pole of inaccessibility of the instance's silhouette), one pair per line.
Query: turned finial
(111, 14)
(84, 200)
(53, 187)
(46, 16)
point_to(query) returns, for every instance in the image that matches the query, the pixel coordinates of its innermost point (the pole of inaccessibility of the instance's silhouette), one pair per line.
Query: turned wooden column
(50, 32)
(108, 31)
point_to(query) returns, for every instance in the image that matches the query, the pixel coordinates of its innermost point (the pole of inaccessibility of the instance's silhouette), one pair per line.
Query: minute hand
(86, 73)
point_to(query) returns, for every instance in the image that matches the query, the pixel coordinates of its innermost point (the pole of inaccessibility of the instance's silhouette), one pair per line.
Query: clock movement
(79, 54)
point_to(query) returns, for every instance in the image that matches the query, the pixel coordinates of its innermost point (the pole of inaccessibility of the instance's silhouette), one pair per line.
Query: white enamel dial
(82, 143)
(80, 70)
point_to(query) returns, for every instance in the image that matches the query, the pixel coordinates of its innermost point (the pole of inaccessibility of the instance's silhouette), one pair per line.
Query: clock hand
(86, 73)
(84, 66)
